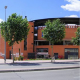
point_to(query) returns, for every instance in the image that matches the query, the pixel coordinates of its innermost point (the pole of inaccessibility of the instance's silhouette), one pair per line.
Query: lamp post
(79, 36)
(5, 37)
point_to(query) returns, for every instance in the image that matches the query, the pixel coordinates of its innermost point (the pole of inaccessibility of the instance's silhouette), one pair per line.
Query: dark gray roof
(66, 20)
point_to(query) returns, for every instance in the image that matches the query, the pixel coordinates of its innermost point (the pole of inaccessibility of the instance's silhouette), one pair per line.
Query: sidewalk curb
(37, 69)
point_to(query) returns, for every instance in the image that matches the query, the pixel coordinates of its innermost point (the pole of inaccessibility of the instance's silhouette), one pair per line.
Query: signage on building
(0, 54)
(17, 54)
(40, 27)
(21, 54)
(42, 53)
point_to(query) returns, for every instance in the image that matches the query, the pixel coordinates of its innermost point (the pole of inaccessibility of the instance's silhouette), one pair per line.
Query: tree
(54, 32)
(76, 40)
(15, 29)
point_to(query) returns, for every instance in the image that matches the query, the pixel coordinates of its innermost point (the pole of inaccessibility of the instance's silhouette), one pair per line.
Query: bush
(60, 57)
(15, 58)
(20, 57)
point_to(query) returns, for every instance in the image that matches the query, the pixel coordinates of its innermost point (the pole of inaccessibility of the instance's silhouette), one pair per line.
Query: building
(36, 46)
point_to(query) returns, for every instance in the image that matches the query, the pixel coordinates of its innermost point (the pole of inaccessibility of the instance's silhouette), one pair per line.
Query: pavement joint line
(37, 69)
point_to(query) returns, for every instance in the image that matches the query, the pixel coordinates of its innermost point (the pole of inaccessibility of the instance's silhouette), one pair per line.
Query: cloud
(1, 20)
(74, 5)
(72, 16)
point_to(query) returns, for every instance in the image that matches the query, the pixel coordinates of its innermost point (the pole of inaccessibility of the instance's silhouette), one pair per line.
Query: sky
(40, 9)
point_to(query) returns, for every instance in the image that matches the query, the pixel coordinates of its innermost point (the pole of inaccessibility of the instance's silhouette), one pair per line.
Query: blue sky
(40, 9)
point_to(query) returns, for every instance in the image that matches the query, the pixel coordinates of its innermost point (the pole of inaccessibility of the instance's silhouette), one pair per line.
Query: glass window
(68, 43)
(35, 34)
(71, 50)
(42, 34)
(25, 44)
(35, 28)
(43, 42)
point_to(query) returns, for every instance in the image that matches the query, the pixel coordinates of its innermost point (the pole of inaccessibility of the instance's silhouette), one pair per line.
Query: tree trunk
(12, 54)
(52, 55)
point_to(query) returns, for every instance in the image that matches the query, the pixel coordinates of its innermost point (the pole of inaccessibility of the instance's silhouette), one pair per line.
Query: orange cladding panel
(58, 48)
(70, 32)
(30, 38)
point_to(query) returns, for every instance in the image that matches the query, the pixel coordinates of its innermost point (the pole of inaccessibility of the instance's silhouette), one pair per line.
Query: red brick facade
(31, 48)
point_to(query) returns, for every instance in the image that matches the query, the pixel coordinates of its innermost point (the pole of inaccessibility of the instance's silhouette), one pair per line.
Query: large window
(35, 33)
(71, 50)
(71, 53)
(35, 29)
(59, 43)
(68, 43)
(43, 42)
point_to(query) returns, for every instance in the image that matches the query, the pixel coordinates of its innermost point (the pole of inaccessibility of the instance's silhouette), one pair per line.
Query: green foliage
(76, 40)
(15, 29)
(54, 31)
(3, 27)
(15, 58)
(20, 57)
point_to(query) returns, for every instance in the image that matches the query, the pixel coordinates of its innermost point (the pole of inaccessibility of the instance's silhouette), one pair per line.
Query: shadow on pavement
(24, 64)
(65, 63)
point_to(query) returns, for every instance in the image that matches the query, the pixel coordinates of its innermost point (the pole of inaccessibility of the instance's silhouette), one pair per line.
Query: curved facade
(36, 46)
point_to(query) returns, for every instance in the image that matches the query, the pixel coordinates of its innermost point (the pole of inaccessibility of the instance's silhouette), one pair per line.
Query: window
(43, 42)
(47, 43)
(35, 28)
(35, 37)
(25, 44)
(42, 34)
(68, 43)
(59, 43)
(42, 49)
(35, 34)
(71, 50)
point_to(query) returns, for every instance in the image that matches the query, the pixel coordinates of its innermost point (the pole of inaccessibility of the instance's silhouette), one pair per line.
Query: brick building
(36, 46)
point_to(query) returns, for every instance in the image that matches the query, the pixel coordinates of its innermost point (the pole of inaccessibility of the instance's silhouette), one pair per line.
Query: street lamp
(79, 35)
(5, 37)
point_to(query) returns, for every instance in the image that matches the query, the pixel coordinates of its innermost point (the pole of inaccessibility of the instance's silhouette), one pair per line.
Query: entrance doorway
(9, 54)
(71, 53)
(56, 55)
(42, 53)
